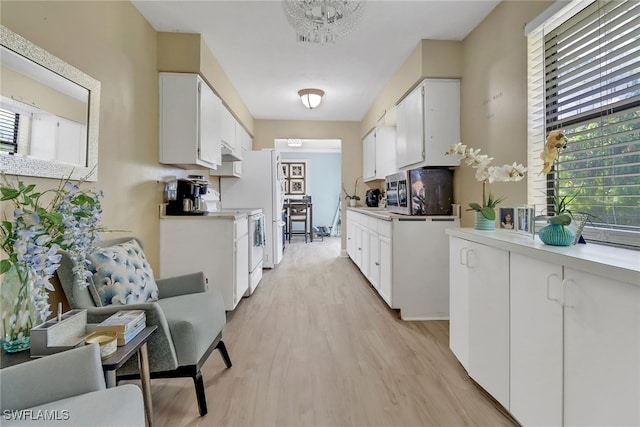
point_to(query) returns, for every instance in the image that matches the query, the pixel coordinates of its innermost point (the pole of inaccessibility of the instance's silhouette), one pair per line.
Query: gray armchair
(190, 318)
(70, 388)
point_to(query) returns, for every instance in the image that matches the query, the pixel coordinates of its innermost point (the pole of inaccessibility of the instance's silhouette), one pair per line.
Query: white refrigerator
(260, 186)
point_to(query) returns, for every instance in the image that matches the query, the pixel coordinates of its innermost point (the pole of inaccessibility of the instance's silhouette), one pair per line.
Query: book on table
(125, 323)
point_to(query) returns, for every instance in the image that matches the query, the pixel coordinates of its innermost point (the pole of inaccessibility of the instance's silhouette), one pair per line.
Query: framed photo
(286, 186)
(296, 186)
(285, 170)
(507, 219)
(297, 170)
(524, 221)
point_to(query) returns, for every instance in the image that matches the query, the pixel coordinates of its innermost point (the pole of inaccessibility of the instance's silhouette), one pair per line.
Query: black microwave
(422, 191)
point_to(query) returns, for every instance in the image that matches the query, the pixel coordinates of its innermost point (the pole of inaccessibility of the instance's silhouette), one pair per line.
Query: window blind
(9, 125)
(584, 67)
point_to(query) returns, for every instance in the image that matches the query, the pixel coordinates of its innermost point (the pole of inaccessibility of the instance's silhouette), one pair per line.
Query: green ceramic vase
(557, 235)
(482, 223)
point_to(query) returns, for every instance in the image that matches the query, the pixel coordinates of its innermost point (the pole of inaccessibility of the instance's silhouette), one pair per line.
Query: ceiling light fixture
(322, 21)
(311, 97)
(294, 142)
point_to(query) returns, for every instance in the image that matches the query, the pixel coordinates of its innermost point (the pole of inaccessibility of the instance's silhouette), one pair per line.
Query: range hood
(229, 155)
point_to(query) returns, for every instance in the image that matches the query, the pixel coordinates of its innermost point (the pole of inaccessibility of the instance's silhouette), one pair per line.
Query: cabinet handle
(549, 276)
(469, 264)
(465, 250)
(377, 263)
(359, 249)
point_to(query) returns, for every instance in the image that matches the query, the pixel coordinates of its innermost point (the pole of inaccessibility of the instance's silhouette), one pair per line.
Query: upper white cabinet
(189, 122)
(428, 123)
(379, 153)
(230, 137)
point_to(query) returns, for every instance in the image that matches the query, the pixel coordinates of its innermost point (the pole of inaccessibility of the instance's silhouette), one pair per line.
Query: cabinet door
(601, 351)
(364, 250)
(374, 259)
(441, 121)
(241, 135)
(351, 239)
(459, 300)
(410, 130)
(536, 341)
(241, 268)
(209, 125)
(227, 129)
(369, 156)
(385, 152)
(384, 289)
(489, 319)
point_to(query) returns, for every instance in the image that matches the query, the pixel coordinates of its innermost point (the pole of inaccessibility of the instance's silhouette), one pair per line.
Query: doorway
(313, 169)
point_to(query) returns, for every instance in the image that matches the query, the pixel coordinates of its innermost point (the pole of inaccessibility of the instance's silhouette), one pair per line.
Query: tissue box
(54, 336)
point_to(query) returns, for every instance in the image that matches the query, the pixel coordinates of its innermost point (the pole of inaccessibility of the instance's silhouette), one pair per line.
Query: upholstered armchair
(190, 316)
(69, 387)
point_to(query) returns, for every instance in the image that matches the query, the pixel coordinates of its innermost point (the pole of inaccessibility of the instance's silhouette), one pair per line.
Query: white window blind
(9, 124)
(584, 77)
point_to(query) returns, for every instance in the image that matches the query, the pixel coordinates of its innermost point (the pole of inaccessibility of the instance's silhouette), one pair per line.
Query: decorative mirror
(49, 113)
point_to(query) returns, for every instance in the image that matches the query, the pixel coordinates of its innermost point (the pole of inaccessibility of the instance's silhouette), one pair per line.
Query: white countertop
(608, 261)
(219, 214)
(382, 213)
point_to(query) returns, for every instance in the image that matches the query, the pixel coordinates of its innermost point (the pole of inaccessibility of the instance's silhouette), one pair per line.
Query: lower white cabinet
(480, 275)
(407, 272)
(573, 335)
(536, 341)
(216, 246)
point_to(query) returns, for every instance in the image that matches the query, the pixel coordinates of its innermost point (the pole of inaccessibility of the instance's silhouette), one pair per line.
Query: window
(9, 125)
(584, 77)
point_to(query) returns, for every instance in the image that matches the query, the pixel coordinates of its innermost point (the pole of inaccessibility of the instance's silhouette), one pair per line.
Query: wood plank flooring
(316, 346)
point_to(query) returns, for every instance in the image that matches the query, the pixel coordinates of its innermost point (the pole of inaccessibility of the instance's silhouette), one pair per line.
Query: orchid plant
(487, 174)
(37, 231)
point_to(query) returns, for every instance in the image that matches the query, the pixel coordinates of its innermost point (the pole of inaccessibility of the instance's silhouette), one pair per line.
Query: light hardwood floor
(316, 346)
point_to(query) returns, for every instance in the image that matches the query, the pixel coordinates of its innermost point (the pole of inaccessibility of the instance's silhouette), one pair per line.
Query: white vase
(352, 202)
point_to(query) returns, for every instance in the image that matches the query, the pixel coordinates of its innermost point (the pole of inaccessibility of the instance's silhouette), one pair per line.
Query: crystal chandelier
(322, 21)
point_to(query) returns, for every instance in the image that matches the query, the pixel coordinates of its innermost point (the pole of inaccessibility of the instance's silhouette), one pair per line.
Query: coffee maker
(184, 196)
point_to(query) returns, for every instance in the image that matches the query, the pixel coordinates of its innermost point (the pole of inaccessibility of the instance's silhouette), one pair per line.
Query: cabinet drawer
(384, 228)
(372, 224)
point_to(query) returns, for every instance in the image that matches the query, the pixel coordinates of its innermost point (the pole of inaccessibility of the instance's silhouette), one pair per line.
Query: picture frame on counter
(524, 220)
(296, 186)
(507, 218)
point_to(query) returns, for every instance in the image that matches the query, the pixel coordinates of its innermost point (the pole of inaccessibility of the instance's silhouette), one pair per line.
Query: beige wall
(266, 131)
(494, 99)
(114, 44)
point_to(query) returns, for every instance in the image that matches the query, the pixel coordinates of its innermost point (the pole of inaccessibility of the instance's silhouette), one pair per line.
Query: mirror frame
(20, 165)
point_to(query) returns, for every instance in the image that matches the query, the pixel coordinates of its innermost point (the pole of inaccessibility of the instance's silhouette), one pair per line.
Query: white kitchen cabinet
(369, 156)
(459, 300)
(228, 169)
(385, 269)
(489, 319)
(601, 350)
(379, 153)
(428, 123)
(217, 246)
(479, 280)
(574, 329)
(390, 252)
(189, 122)
(230, 137)
(536, 341)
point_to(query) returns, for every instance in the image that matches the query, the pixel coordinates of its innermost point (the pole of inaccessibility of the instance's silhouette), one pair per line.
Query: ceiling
(257, 48)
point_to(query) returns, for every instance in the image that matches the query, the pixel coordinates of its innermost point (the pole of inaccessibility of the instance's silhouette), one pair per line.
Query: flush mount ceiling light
(294, 142)
(311, 97)
(322, 21)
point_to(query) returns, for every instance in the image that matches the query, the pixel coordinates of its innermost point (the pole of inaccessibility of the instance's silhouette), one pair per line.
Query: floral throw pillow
(122, 275)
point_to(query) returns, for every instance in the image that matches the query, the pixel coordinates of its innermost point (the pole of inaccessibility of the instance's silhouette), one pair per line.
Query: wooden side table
(137, 345)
